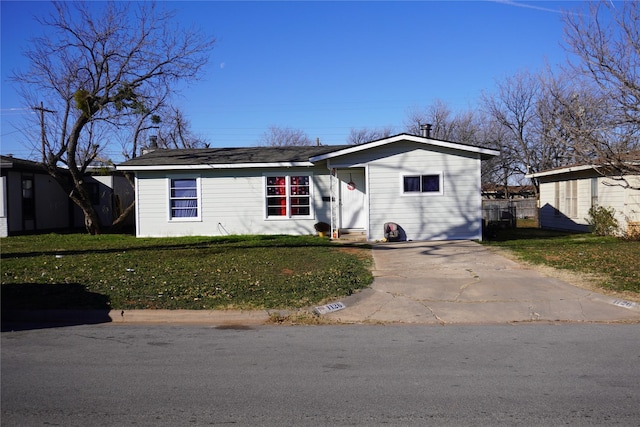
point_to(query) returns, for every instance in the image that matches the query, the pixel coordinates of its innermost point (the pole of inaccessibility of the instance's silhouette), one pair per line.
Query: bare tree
(364, 135)
(466, 128)
(284, 136)
(175, 132)
(556, 144)
(513, 107)
(438, 115)
(445, 124)
(496, 170)
(98, 66)
(602, 109)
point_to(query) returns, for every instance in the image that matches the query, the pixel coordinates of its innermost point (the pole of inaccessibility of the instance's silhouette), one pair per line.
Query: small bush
(633, 231)
(602, 221)
(322, 227)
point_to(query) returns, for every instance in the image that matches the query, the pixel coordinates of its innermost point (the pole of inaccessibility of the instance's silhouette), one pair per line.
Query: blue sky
(328, 67)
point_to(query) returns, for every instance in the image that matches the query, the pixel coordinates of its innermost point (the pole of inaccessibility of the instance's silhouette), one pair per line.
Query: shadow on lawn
(36, 306)
(503, 235)
(218, 244)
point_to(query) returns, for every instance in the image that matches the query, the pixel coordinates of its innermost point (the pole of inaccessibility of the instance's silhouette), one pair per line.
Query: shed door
(352, 199)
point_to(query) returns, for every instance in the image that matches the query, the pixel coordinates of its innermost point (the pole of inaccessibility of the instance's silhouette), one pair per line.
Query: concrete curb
(217, 317)
(78, 317)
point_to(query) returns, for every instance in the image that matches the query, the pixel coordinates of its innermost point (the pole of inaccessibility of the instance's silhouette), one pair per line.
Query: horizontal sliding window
(428, 183)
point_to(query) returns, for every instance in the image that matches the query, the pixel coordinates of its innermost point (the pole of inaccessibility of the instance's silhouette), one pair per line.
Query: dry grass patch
(603, 264)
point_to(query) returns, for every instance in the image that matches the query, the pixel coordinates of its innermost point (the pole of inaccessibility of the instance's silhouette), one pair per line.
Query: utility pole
(42, 132)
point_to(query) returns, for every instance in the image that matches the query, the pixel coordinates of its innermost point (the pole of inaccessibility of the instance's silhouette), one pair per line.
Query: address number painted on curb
(329, 308)
(624, 303)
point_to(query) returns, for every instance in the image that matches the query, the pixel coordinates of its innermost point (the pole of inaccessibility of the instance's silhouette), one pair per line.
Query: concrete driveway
(464, 282)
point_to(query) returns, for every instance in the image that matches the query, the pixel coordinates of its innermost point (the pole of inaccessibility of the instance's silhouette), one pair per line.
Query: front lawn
(123, 272)
(616, 261)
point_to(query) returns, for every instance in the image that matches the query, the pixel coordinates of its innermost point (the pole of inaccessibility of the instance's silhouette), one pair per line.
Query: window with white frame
(425, 183)
(288, 196)
(184, 199)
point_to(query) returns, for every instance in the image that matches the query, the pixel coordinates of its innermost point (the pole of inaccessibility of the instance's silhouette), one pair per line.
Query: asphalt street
(157, 375)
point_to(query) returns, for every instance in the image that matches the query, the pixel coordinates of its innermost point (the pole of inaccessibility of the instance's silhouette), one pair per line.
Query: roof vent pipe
(153, 145)
(426, 130)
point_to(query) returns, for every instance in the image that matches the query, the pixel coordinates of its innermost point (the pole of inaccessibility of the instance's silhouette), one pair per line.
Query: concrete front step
(352, 235)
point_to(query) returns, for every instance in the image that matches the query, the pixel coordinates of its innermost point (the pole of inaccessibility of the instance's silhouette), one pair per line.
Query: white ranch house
(567, 194)
(429, 187)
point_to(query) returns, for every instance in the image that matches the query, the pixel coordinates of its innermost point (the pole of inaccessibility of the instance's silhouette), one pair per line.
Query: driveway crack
(476, 279)
(435, 316)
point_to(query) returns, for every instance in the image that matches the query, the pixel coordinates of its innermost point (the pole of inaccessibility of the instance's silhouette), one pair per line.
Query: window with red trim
(288, 196)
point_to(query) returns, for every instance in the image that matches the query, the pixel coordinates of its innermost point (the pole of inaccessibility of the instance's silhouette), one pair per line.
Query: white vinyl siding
(558, 212)
(233, 202)
(565, 204)
(456, 214)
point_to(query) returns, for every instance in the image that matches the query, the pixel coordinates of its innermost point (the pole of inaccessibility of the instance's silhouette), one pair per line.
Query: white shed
(567, 194)
(430, 188)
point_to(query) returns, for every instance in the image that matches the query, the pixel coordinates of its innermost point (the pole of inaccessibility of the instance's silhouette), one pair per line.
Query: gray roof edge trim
(560, 171)
(215, 166)
(406, 137)
(346, 165)
(576, 168)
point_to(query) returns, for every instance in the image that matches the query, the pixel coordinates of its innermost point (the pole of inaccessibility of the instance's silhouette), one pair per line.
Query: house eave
(214, 166)
(602, 169)
(561, 171)
(485, 152)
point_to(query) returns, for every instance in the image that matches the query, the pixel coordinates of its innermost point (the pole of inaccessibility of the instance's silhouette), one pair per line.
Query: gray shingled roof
(227, 156)
(22, 164)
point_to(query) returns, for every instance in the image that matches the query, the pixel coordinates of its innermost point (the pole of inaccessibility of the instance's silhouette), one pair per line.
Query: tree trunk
(119, 222)
(91, 219)
(92, 223)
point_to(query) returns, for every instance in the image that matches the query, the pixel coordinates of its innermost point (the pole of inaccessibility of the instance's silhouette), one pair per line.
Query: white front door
(352, 199)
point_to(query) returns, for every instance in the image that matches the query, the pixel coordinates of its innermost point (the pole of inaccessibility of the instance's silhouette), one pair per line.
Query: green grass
(123, 272)
(616, 260)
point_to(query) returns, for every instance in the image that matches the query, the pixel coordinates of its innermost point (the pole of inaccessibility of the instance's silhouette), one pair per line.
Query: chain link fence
(505, 213)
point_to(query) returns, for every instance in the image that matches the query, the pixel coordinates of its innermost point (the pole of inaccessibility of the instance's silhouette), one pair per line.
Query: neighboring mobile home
(32, 201)
(567, 194)
(430, 188)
